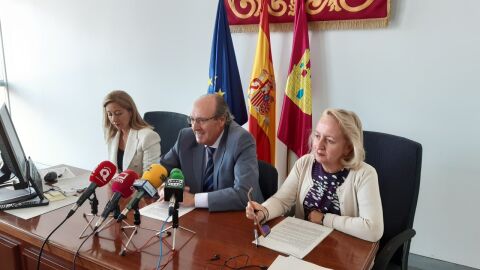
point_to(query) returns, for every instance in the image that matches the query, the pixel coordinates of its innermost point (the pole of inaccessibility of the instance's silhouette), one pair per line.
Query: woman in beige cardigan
(332, 185)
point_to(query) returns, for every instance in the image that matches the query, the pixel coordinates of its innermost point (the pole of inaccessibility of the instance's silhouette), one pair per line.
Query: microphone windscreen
(174, 186)
(176, 174)
(156, 175)
(123, 182)
(103, 173)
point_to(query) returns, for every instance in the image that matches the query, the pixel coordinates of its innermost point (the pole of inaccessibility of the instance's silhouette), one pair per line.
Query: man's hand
(161, 193)
(188, 198)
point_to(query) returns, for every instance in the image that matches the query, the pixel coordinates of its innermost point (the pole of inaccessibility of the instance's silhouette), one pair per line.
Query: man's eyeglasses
(199, 120)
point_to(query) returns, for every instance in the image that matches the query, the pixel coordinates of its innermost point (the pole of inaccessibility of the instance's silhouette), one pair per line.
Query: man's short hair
(222, 109)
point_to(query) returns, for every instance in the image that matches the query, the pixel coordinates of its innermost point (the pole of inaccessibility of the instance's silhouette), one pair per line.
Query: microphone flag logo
(121, 177)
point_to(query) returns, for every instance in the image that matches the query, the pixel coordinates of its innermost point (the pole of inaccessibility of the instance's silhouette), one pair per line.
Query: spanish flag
(261, 93)
(296, 117)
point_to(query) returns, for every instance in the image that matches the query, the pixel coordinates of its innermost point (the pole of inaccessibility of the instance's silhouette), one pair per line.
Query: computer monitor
(28, 183)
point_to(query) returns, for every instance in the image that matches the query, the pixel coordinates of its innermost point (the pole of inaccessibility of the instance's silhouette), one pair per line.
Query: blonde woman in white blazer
(131, 142)
(332, 185)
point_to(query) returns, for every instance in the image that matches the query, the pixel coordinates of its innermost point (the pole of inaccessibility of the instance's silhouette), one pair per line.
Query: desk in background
(227, 234)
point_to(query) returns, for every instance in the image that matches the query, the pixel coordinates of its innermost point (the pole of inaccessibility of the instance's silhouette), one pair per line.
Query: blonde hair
(351, 127)
(123, 99)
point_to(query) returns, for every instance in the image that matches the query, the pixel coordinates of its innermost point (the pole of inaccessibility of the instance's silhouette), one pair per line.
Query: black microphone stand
(173, 211)
(93, 214)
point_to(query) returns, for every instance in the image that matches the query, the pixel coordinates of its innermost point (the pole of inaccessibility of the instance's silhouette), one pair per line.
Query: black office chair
(167, 125)
(398, 162)
(268, 178)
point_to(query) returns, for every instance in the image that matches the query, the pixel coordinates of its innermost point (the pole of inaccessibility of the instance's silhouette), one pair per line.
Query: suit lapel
(114, 148)
(130, 148)
(218, 157)
(198, 157)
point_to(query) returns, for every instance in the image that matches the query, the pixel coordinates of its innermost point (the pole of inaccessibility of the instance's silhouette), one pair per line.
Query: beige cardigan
(359, 198)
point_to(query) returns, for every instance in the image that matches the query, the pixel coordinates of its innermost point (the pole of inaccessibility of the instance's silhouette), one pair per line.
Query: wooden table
(226, 234)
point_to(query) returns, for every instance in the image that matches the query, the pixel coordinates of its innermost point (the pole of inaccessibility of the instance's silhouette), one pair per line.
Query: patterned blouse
(323, 195)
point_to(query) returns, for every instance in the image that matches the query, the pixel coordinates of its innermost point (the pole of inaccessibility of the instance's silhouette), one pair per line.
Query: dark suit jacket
(235, 167)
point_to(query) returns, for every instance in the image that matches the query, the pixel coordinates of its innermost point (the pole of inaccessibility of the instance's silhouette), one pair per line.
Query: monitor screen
(10, 147)
(29, 183)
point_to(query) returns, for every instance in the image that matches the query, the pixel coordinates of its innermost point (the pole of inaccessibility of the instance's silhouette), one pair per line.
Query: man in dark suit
(219, 183)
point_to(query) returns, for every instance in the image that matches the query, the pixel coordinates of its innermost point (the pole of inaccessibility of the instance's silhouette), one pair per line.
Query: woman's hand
(316, 217)
(255, 210)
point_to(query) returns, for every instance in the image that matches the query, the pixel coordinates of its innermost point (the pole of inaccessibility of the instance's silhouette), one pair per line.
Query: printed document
(159, 210)
(295, 237)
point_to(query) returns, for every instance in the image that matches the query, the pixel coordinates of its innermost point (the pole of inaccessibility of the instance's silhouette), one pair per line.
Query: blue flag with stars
(224, 78)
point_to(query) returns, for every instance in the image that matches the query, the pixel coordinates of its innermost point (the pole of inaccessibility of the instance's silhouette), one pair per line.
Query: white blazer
(141, 151)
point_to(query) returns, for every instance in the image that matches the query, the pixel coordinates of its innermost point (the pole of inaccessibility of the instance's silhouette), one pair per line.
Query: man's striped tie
(208, 175)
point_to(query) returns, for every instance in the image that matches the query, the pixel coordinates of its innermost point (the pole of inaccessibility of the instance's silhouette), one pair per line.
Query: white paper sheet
(290, 262)
(159, 210)
(295, 237)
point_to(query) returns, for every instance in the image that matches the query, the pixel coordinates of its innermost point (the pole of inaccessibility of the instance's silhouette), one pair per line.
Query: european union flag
(224, 78)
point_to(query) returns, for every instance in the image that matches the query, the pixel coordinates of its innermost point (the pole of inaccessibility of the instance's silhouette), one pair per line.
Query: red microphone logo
(105, 173)
(123, 183)
(121, 177)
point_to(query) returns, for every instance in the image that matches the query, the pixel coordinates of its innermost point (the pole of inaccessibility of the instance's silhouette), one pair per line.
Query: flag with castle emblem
(296, 117)
(261, 93)
(224, 78)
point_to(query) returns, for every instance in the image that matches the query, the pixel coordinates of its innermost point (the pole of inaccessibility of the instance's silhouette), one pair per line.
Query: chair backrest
(398, 162)
(167, 125)
(268, 178)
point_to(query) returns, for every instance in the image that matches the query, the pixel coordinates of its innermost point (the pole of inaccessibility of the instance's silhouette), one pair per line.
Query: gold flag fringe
(318, 25)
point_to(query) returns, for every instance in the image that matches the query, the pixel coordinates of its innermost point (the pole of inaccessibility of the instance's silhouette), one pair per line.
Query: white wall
(417, 78)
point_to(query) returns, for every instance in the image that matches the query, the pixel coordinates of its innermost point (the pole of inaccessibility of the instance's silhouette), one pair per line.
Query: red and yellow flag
(261, 93)
(296, 117)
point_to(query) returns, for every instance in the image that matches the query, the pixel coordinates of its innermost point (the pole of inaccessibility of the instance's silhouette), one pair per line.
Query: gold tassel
(318, 25)
(350, 24)
(243, 28)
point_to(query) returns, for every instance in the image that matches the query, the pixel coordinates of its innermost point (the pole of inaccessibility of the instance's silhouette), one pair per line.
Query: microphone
(173, 191)
(100, 176)
(122, 188)
(151, 180)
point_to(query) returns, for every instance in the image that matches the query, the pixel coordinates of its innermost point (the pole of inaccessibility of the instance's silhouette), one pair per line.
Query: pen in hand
(263, 230)
(255, 221)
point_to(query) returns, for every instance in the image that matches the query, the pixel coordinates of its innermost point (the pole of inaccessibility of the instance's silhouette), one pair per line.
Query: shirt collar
(217, 142)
